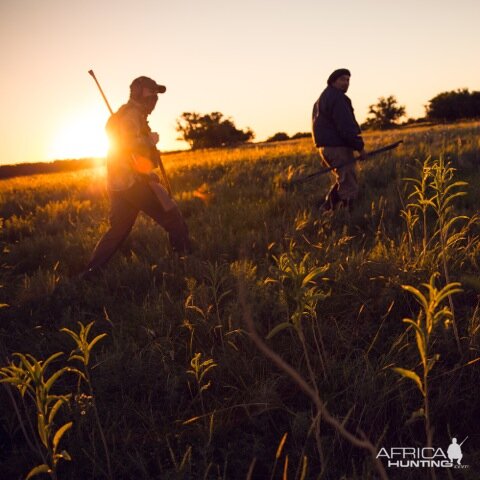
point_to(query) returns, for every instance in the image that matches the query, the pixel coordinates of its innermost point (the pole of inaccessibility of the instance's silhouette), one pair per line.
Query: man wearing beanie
(132, 186)
(337, 135)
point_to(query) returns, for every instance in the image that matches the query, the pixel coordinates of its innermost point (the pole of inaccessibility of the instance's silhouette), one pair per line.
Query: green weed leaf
(55, 409)
(96, 340)
(49, 383)
(412, 376)
(59, 434)
(38, 470)
(277, 329)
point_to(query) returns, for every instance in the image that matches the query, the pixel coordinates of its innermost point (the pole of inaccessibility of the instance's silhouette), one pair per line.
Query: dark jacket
(333, 121)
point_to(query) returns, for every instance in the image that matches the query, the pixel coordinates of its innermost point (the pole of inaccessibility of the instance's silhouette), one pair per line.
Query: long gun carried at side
(463, 441)
(322, 171)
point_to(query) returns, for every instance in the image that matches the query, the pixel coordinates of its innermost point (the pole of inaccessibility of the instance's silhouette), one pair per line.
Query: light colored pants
(345, 177)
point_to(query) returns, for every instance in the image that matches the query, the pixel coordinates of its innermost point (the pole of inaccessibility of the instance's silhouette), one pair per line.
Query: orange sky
(262, 63)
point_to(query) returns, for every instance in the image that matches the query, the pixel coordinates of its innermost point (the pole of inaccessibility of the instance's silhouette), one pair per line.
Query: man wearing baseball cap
(132, 184)
(337, 135)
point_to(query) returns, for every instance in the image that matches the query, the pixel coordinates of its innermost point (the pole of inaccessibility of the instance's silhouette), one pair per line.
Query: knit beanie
(336, 74)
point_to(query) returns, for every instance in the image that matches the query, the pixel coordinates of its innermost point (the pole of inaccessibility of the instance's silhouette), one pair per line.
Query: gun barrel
(101, 91)
(328, 169)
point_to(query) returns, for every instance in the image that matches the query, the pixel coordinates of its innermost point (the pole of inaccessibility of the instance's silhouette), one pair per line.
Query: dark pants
(124, 209)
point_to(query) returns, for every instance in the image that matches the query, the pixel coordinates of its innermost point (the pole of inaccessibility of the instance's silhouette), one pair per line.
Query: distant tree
(449, 106)
(302, 135)
(385, 113)
(278, 137)
(210, 130)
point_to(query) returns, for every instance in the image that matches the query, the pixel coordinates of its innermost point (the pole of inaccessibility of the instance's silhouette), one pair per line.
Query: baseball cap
(146, 82)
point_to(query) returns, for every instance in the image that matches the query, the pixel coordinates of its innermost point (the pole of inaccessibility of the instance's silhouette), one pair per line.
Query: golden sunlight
(80, 136)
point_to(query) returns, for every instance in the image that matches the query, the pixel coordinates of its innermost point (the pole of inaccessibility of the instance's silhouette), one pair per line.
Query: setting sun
(80, 136)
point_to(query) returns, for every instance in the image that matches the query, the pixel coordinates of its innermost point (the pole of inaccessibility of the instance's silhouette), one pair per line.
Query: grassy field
(179, 387)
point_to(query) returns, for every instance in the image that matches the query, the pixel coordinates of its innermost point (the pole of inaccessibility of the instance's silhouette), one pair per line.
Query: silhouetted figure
(132, 186)
(337, 135)
(454, 452)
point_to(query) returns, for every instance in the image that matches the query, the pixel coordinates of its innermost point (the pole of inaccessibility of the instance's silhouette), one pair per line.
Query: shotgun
(463, 441)
(322, 171)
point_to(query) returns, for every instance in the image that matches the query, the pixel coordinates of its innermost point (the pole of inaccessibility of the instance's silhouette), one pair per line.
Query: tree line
(58, 166)
(214, 130)
(444, 107)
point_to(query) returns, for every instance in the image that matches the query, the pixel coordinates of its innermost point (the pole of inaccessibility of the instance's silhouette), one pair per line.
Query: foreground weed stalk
(199, 369)
(445, 191)
(82, 354)
(360, 441)
(435, 193)
(30, 377)
(298, 282)
(217, 277)
(418, 207)
(432, 314)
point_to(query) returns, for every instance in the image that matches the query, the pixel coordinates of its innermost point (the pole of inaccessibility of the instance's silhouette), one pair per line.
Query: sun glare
(80, 136)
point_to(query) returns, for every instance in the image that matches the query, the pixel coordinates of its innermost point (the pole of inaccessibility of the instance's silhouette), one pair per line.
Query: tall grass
(179, 388)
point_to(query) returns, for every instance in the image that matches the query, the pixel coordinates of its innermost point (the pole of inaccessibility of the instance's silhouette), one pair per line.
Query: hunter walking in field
(337, 135)
(132, 186)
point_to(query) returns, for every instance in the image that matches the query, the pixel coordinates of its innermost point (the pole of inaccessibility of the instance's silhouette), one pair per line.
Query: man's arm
(315, 114)
(346, 124)
(133, 141)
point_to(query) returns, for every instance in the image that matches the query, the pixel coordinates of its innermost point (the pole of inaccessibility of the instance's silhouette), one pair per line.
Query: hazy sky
(261, 62)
